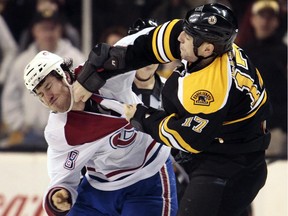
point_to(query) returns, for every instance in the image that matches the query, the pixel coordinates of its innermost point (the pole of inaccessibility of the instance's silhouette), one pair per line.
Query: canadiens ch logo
(202, 97)
(123, 138)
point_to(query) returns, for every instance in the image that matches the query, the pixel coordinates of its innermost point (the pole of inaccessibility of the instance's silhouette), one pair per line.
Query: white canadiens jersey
(114, 153)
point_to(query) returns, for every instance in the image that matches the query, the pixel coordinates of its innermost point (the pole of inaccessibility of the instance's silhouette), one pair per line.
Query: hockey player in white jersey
(128, 173)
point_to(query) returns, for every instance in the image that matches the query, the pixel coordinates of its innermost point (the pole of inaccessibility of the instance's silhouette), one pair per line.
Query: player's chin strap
(196, 44)
(71, 94)
(71, 100)
(197, 63)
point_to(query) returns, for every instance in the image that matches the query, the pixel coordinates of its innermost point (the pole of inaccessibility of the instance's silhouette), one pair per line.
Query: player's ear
(207, 49)
(68, 77)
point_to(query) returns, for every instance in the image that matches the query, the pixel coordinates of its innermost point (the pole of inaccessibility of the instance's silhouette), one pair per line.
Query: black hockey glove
(102, 57)
(140, 114)
(116, 60)
(137, 120)
(89, 77)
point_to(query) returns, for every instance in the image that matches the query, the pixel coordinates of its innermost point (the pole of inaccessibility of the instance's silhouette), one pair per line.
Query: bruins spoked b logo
(212, 20)
(202, 97)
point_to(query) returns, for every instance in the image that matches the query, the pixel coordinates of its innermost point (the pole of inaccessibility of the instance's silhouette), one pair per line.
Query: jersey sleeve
(190, 133)
(64, 160)
(64, 170)
(159, 46)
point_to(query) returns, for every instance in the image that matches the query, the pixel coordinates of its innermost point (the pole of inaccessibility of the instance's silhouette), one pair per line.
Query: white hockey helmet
(39, 67)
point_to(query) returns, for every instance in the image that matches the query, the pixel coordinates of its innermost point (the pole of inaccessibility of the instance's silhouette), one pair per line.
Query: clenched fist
(61, 199)
(80, 93)
(129, 110)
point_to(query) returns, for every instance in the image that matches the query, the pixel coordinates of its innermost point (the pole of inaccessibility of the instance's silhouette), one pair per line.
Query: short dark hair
(66, 66)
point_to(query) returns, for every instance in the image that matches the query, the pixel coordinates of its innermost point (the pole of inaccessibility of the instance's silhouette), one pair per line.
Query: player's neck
(79, 106)
(148, 84)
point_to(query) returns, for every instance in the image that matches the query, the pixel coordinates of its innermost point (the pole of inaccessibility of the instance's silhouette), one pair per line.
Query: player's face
(186, 47)
(55, 94)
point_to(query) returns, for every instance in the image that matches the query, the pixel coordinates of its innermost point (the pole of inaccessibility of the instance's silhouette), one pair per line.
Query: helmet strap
(71, 99)
(197, 64)
(71, 92)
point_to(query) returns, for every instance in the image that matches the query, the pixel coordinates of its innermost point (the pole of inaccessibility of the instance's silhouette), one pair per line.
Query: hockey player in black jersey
(215, 106)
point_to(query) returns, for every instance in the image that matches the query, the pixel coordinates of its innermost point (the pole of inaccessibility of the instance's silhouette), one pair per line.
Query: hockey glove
(141, 113)
(116, 58)
(89, 77)
(102, 56)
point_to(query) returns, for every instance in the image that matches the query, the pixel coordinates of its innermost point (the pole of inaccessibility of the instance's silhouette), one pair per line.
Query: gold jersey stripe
(260, 78)
(176, 136)
(166, 39)
(154, 45)
(250, 115)
(163, 138)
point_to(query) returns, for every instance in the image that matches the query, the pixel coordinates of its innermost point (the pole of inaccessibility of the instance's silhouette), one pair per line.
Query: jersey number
(244, 81)
(197, 128)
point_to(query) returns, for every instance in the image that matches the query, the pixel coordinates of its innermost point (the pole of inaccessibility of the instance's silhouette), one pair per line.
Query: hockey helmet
(213, 23)
(140, 24)
(39, 67)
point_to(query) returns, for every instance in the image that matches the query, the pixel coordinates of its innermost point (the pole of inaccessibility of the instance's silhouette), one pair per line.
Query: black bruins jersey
(221, 108)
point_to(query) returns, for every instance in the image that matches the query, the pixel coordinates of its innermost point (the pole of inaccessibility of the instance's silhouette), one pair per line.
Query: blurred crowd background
(71, 28)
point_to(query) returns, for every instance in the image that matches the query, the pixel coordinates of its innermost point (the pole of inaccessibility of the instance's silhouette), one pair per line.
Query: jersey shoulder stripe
(150, 153)
(94, 127)
(161, 41)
